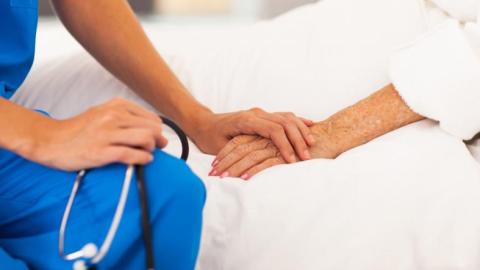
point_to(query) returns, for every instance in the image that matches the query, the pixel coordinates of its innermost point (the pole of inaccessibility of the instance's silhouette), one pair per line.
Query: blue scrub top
(18, 26)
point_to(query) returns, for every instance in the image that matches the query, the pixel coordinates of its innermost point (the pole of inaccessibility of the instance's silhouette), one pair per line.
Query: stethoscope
(90, 255)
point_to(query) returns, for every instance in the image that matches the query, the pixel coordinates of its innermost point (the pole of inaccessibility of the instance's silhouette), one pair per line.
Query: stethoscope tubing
(93, 257)
(147, 229)
(105, 247)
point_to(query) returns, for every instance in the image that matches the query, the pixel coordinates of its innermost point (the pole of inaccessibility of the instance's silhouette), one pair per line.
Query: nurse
(39, 155)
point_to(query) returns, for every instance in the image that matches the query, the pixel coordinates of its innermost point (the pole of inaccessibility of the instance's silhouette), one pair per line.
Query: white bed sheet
(408, 200)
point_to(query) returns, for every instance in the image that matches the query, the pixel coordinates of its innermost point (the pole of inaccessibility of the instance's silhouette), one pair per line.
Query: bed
(408, 200)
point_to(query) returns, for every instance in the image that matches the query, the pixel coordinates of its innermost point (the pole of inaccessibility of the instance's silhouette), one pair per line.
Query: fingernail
(245, 176)
(307, 154)
(213, 173)
(215, 162)
(293, 159)
(225, 174)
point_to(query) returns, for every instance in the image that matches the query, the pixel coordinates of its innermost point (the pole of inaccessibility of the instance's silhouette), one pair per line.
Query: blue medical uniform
(33, 197)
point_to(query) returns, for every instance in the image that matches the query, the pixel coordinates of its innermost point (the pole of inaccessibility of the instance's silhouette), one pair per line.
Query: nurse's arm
(117, 131)
(110, 31)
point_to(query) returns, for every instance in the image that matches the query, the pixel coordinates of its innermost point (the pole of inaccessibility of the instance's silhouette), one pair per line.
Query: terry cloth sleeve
(7, 262)
(438, 75)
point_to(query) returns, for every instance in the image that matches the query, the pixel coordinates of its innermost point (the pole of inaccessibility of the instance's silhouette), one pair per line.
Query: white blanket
(408, 200)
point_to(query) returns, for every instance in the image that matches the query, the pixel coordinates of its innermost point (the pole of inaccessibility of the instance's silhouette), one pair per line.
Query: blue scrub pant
(33, 198)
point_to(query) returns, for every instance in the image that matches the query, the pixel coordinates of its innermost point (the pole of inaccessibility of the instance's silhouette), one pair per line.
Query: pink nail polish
(225, 174)
(214, 163)
(245, 176)
(213, 173)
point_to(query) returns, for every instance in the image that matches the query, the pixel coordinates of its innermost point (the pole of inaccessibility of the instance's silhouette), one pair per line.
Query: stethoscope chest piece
(80, 265)
(89, 251)
(90, 255)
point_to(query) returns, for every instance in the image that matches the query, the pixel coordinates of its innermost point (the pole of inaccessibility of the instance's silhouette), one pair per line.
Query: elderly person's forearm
(376, 115)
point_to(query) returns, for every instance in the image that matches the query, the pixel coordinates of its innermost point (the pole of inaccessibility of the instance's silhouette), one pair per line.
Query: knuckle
(151, 145)
(149, 135)
(251, 119)
(120, 100)
(117, 101)
(289, 125)
(111, 116)
(158, 130)
(243, 148)
(145, 136)
(123, 155)
(265, 144)
(270, 145)
(256, 110)
(279, 160)
(306, 130)
(237, 140)
(257, 156)
(277, 130)
(277, 153)
(272, 162)
(284, 122)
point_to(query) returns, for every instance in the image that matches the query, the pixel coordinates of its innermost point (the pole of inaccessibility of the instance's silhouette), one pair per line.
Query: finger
(135, 109)
(231, 145)
(307, 122)
(271, 130)
(293, 133)
(237, 154)
(277, 134)
(250, 160)
(262, 166)
(136, 122)
(134, 137)
(304, 129)
(127, 155)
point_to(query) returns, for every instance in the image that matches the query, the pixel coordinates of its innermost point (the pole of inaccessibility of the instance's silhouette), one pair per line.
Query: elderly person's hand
(368, 119)
(290, 134)
(245, 156)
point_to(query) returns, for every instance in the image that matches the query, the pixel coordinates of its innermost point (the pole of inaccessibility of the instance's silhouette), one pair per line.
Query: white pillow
(313, 61)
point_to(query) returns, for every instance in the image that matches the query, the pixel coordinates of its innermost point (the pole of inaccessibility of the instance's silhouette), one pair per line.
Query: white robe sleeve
(438, 75)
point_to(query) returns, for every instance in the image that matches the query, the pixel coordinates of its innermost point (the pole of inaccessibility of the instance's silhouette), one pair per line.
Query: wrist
(327, 141)
(196, 121)
(40, 135)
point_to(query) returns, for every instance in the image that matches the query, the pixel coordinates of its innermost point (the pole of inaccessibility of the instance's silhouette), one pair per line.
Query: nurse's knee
(181, 181)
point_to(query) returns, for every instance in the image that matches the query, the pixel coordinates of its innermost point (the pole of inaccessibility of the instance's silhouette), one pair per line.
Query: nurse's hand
(246, 156)
(117, 131)
(289, 133)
